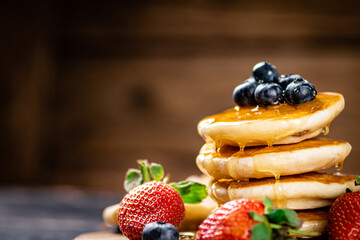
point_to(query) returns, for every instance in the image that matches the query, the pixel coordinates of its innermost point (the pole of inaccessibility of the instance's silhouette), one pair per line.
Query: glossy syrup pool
(280, 111)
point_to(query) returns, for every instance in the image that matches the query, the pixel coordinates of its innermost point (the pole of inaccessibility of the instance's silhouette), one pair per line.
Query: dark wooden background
(88, 87)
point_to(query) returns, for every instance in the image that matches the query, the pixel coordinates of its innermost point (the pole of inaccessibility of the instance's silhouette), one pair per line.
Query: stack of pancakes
(253, 152)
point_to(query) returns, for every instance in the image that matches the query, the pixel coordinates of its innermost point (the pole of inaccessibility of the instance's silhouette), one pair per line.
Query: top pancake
(275, 124)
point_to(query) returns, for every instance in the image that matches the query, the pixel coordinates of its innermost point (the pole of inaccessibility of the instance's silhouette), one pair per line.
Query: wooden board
(115, 236)
(101, 236)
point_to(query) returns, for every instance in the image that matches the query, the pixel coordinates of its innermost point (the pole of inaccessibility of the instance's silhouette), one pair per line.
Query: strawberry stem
(166, 178)
(144, 170)
(290, 230)
(309, 234)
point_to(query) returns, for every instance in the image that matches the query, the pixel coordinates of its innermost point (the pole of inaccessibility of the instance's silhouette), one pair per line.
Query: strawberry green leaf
(284, 216)
(260, 232)
(156, 171)
(268, 204)
(348, 190)
(144, 168)
(357, 181)
(191, 192)
(133, 179)
(257, 217)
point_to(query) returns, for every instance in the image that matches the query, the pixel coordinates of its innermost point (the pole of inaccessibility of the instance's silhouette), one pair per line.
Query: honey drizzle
(326, 129)
(339, 164)
(279, 195)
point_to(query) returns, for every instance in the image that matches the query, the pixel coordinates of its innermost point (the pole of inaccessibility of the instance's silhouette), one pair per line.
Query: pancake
(195, 214)
(315, 220)
(110, 215)
(259, 162)
(303, 191)
(274, 124)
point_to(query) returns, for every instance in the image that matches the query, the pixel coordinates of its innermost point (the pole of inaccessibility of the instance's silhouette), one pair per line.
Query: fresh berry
(244, 219)
(230, 221)
(243, 94)
(160, 231)
(344, 217)
(150, 202)
(285, 80)
(265, 72)
(299, 91)
(269, 94)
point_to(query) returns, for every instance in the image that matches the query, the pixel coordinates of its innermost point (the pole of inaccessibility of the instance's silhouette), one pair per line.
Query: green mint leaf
(144, 168)
(268, 204)
(284, 217)
(260, 232)
(357, 181)
(257, 217)
(191, 192)
(156, 171)
(133, 179)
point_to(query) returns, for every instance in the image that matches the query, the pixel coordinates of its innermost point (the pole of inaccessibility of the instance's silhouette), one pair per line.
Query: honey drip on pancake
(219, 191)
(339, 164)
(262, 166)
(280, 199)
(220, 128)
(326, 129)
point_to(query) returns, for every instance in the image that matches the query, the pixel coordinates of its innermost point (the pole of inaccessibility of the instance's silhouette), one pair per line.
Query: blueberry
(265, 72)
(285, 80)
(160, 231)
(299, 91)
(243, 94)
(269, 94)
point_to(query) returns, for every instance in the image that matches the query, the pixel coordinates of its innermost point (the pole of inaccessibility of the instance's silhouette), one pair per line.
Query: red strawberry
(231, 221)
(244, 219)
(344, 217)
(150, 202)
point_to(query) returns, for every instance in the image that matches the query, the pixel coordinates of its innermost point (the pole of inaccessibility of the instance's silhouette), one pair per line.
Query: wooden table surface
(52, 213)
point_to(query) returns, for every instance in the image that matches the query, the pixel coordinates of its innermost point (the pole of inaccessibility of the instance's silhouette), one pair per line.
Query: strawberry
(244, 219)
(344, 216)
(231, 221)
(151, 202)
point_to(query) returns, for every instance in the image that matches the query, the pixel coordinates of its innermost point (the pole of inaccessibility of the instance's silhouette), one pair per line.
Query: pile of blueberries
(266, 87)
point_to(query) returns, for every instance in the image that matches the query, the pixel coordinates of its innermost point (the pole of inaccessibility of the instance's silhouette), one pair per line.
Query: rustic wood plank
(101, 236)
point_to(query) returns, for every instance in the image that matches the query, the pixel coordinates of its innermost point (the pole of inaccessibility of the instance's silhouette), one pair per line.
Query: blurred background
(89, 87)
